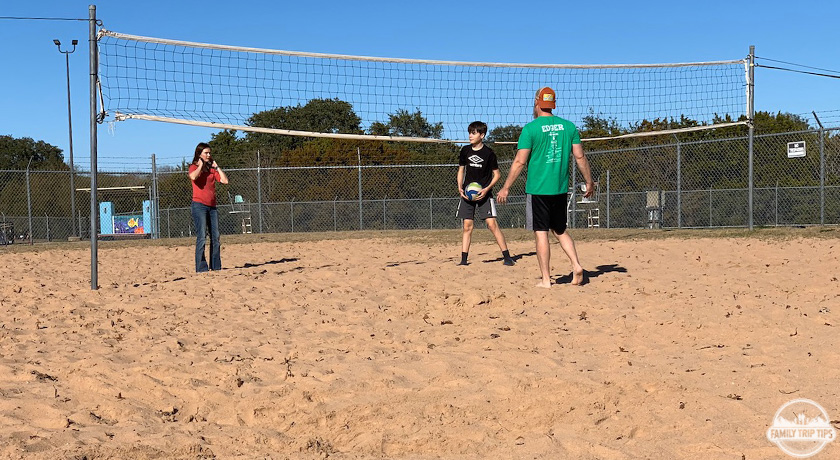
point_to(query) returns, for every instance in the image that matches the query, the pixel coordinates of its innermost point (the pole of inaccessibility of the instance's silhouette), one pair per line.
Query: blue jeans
(202, 216)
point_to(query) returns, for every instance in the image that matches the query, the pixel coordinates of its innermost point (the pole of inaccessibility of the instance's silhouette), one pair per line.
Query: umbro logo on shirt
(475, 161)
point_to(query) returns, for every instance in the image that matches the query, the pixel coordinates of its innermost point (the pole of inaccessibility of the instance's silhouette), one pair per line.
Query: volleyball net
(223, 87)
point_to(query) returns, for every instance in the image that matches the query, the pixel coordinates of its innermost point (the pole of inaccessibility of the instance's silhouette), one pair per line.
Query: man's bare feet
(544, 284)
(577, 276)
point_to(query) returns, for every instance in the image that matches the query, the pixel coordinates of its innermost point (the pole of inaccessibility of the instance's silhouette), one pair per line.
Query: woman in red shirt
(204, 173)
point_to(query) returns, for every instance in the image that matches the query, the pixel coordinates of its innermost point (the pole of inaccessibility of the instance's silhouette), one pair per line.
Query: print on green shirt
(550, 140)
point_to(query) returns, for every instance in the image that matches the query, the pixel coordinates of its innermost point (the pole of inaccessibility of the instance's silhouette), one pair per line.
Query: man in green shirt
(545, 146)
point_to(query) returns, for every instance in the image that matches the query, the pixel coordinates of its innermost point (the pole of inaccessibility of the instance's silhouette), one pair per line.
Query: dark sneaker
(509, 262)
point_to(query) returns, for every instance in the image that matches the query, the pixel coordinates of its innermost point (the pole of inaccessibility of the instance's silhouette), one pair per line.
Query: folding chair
(654, 204)
(239, 206)
(7, 233)
(587, 205)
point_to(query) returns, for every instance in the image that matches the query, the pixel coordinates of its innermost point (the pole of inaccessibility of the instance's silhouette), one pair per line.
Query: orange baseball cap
(545, 98)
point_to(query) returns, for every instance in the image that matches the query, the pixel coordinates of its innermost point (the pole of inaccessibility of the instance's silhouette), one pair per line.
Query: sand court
(376, 345)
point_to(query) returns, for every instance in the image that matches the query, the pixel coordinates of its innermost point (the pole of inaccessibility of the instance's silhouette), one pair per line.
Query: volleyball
(471, 191)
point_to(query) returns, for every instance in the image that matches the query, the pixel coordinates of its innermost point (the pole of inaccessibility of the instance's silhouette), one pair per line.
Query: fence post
(359, 157)
(73, 200)
(29, 200)
(383, 212)
(431, 220)
(155, 209)
(710, 206)
(822, 170)
(822, 177)
(776, 205)
(168, 225)
(48, 226)
(679, 182)
(259, 193)
(608, 198)
(335, 218)
(292, 208)
(751, 125)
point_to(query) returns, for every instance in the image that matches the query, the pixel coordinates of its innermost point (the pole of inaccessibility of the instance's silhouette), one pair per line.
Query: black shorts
(546, 212)
(485, 209)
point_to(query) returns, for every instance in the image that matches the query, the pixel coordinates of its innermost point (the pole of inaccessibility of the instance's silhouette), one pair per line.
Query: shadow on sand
(587, 274)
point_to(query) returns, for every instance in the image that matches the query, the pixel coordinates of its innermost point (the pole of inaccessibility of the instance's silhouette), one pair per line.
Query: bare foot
(577, 276)
(544, 284)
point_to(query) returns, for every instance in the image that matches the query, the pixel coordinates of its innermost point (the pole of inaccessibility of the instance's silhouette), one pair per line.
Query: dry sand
(381, 347)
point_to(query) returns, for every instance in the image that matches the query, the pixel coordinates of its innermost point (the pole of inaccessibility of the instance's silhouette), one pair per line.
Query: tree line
(710, 165)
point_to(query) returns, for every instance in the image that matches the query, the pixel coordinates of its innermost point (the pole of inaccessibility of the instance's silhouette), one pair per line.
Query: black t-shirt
(478, 165)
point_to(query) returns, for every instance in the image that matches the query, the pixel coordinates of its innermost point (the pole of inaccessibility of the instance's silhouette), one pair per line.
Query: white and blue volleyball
(471, 191)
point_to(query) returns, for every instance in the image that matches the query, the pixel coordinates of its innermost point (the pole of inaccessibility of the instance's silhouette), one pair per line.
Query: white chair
(241, 207)
(7, 233)
(587, 205)
(654, 203)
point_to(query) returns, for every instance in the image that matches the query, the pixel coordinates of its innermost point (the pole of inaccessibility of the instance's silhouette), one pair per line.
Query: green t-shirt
(550, 140)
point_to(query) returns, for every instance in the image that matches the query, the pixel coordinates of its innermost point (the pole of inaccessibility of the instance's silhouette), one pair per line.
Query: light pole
(70, 124)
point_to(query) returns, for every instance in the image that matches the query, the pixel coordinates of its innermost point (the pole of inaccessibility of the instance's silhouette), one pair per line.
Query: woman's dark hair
(198, 149)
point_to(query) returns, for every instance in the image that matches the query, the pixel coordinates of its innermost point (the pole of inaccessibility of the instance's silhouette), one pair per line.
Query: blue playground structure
(111, 223)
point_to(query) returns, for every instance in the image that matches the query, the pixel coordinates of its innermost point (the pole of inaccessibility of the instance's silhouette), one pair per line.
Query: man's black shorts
(484, 209)
(546, 212)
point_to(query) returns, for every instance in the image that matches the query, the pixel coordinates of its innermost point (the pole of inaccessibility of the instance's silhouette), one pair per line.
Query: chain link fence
(706, 183)
(673, 184)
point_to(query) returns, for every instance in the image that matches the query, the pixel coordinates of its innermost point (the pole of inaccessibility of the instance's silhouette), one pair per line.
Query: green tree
(596, 126)
(508, 133)
(770, 161)
(406, 124)
(781, 122)
(230, 150)
(15, 153)
(318, 115)
(832, 160)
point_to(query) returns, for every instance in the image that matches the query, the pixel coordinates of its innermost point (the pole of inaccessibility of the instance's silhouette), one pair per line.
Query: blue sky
(33, 85)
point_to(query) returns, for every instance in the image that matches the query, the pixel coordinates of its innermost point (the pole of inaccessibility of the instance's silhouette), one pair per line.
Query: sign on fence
(796, 149)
